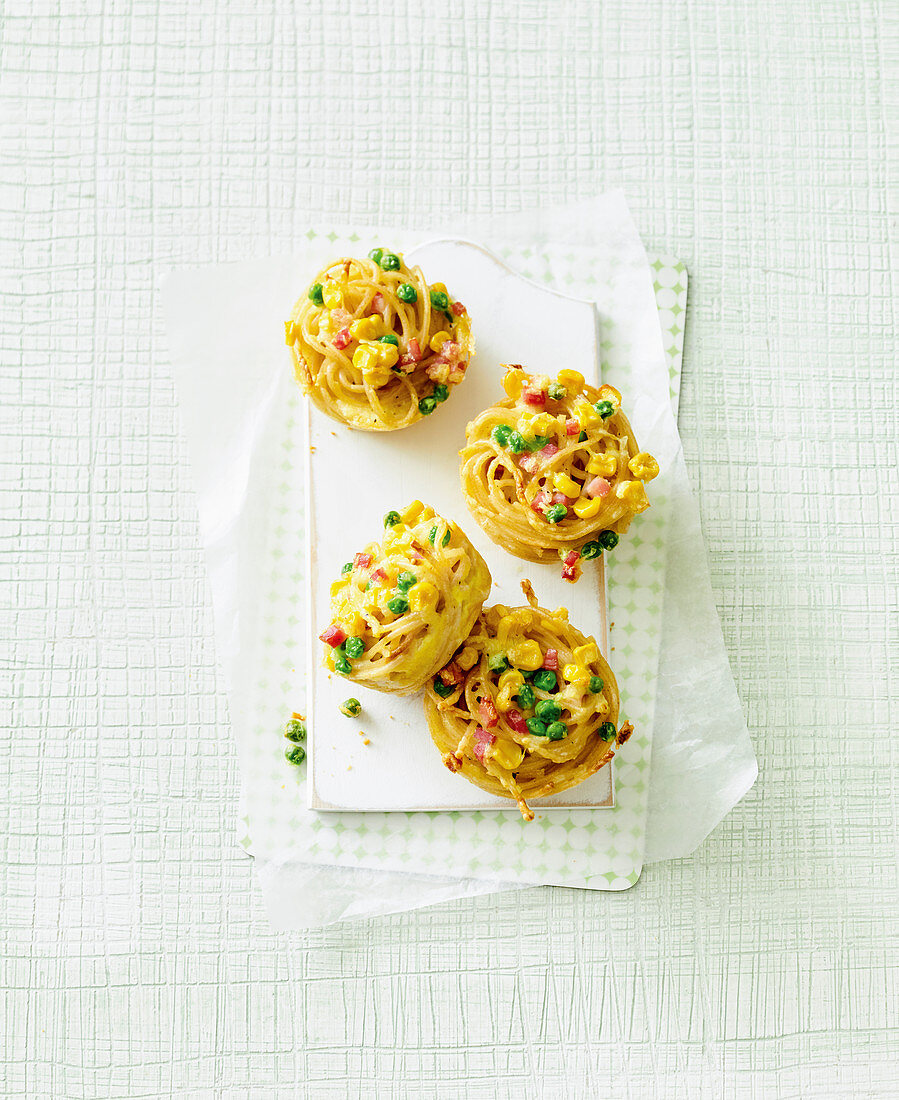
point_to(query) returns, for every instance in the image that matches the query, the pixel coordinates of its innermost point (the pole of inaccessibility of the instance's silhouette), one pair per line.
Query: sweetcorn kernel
(586, 654)
(572, 380)
(467, 657)
(423, 596)
(511, 678)
(413, 511)
(585, 508)
(567, 485)
(438, 340)
(633, 495)
(367, 328)
(331, 294)
(643, 466)
(586, 415)
(527, 655)
(605, 464)
(513, 383)
(507, 754)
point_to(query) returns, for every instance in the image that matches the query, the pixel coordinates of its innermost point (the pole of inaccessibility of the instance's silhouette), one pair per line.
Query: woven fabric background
(752, 141)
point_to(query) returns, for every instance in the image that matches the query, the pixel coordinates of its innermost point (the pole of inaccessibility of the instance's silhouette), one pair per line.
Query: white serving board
(353, 478)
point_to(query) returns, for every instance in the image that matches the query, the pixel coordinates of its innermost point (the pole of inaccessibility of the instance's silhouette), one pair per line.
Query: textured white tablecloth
(752, 142)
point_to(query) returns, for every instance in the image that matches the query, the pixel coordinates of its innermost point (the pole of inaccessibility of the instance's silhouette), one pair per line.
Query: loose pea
(342, 665)
(499, 663)
(590, 550)
(315, 294)
(525, 696)
(537, 728)
(596, 684)
(406, 292)
(295, 730)
(392, 519)
(348, 568)
(439, 300)
(556, 512)
(501, 434)
(608, 540)
(389, 339)
(442, 689)
(555, 731)
(355, 647)
(405, 580)
(389, 262)
(518, 443)
(538, 443)
(604, 408)
(548, 710)
(296, 755)
(441, 393)
(546, 680)
(376, 254)
(556, 392)
(399, 605)
(606, 731)
(427, 405)
(352, 708)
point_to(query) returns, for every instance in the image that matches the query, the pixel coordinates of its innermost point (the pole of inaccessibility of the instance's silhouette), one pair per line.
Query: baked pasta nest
(554, 469)
(527, 706)
(374, 346)
(401, 606)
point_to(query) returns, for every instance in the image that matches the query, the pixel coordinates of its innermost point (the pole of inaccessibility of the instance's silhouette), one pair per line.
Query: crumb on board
(312, 450)
(349, 767)
(366, 741)
(297, 717)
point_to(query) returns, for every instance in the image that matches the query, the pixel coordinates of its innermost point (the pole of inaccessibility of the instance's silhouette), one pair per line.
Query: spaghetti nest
(374, 346)
(527, 707)
(554, 469)
(400, 608)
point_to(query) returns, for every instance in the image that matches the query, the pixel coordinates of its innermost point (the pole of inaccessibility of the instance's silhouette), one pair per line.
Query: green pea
(295, 730)
(590, 550)
(352, 708)
(427, 405)
(555, 513)
(432, 536)
(399, 605)
(525, 697)
(392, 519)
(556, 392)
(389, 262)
(439, 300)
(442, 689)
(441, 393)
(355, 647)
(604, 408)
(582, 437)
(405, 580)
(537, 728)
(348, 568)
(376, 254)
(389, 339)
(342, 665)
(499, 663)
(315, 294)
(546, 680)
(608, 540)
(501, 434)
(548, 710)
(517, 443)
(596, 684)
(406, 292)
(445, 540)
(606, 731)
(555, 731)
(538, 443)
(296, 755)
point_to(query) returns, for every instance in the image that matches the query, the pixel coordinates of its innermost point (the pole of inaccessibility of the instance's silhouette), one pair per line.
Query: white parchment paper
(702, 760)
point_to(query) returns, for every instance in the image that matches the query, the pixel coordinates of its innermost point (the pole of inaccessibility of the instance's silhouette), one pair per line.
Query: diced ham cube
(516, 720)
(571, 570)
(334, 635)
(549, 450)
(362, 561)
(551, 656)
(342, 339)
(540, 501)
(487, 713)
(458, 309)
(572, 427)
(597, 487)
(528, 463)
(452, 674)
(378, 575)
(535, 398)
(559, 498)
(483, 739)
